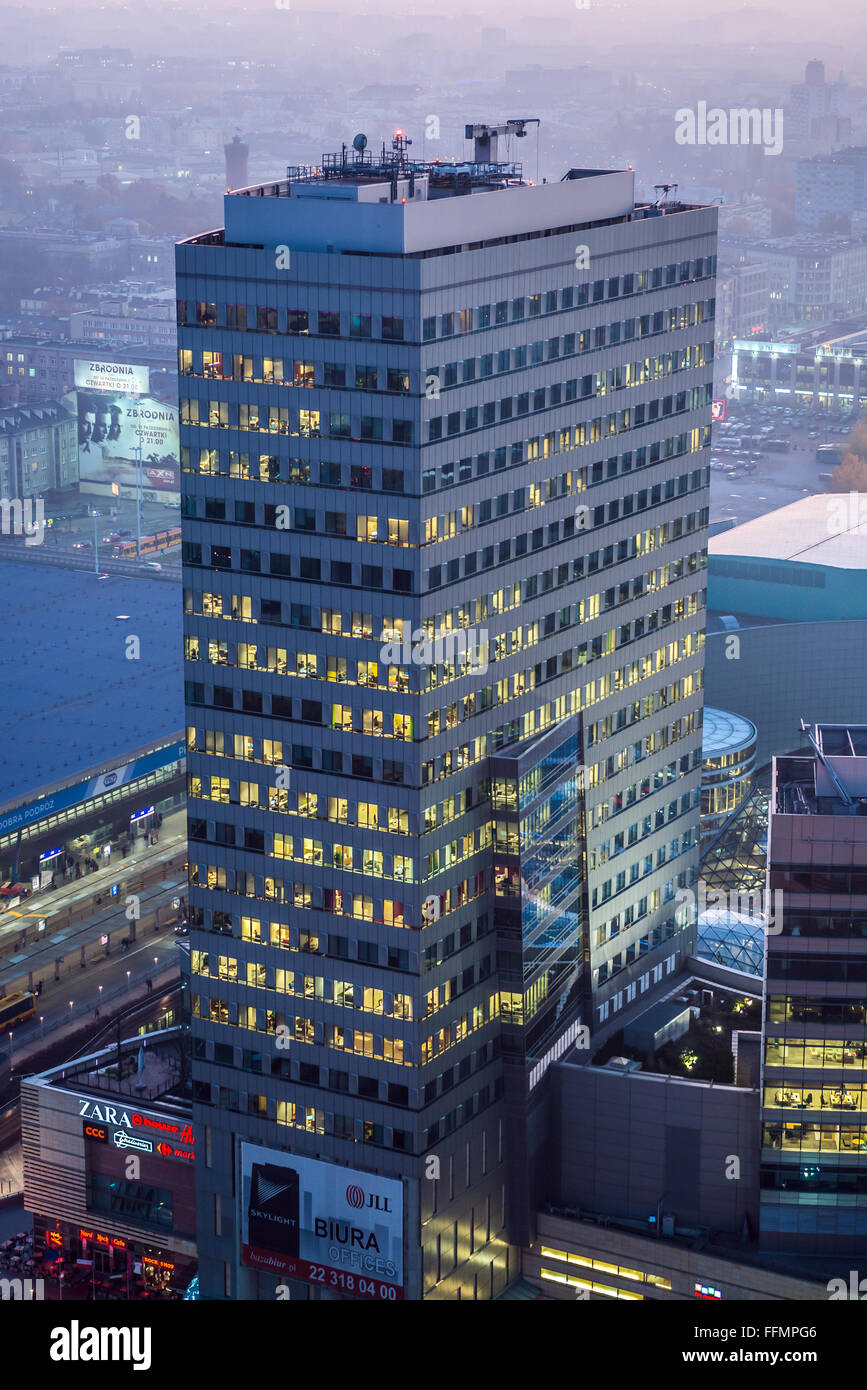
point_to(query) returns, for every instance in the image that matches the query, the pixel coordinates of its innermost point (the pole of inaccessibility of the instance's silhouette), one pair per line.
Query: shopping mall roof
(825, 529)
(70, 695)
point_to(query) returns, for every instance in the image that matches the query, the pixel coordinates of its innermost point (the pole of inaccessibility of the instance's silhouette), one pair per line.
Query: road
(64, 557)
(60, 540)
(104, 986)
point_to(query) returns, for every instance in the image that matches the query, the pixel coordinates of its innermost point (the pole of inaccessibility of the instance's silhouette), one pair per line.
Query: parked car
(13, 890)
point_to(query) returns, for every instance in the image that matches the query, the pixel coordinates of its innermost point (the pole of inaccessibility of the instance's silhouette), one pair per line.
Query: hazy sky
(665, 24)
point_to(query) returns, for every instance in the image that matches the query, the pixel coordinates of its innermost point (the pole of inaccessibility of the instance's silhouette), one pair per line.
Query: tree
(850, 475)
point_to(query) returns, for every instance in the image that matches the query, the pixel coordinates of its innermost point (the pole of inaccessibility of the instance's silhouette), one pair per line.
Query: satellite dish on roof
(360, 142)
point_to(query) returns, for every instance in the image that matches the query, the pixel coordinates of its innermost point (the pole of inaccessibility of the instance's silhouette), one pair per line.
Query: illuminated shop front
(829, 377)
(109, 1169)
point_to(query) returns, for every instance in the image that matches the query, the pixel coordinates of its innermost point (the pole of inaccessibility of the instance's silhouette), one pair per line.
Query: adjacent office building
(814, 1137)
(444, 439)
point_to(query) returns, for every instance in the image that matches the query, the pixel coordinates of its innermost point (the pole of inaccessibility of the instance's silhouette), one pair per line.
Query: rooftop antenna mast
(399, 145)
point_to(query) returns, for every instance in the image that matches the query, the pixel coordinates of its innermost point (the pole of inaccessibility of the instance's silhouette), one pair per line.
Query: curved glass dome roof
(732, 938)
(724, 732)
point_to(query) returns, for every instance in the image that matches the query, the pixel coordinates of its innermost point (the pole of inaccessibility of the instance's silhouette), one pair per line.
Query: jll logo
(357, 1197)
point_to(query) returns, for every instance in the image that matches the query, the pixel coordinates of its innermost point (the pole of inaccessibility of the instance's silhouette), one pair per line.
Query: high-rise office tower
(444, 447)
(237, 153)
(814, 1135)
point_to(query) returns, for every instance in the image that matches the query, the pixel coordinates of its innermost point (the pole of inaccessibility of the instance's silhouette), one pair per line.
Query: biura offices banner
(305, 1219)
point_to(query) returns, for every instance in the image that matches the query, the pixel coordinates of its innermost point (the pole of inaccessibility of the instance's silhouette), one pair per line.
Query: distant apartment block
(743, 301)
(814, 114)
(832, 186)
(34, 369)
(38, 450)
(812, 278)
(154, 326)
(752, 216)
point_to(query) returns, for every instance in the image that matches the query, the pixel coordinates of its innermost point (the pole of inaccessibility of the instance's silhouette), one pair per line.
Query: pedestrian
(96, 1011)
(150, 985)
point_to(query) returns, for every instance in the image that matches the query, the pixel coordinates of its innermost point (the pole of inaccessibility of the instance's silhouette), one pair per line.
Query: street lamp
(128, 973)
(138, 498)
(94, 513)
(42, 1025)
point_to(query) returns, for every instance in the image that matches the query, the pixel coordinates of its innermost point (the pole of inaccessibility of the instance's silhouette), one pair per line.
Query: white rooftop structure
(827, 529)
